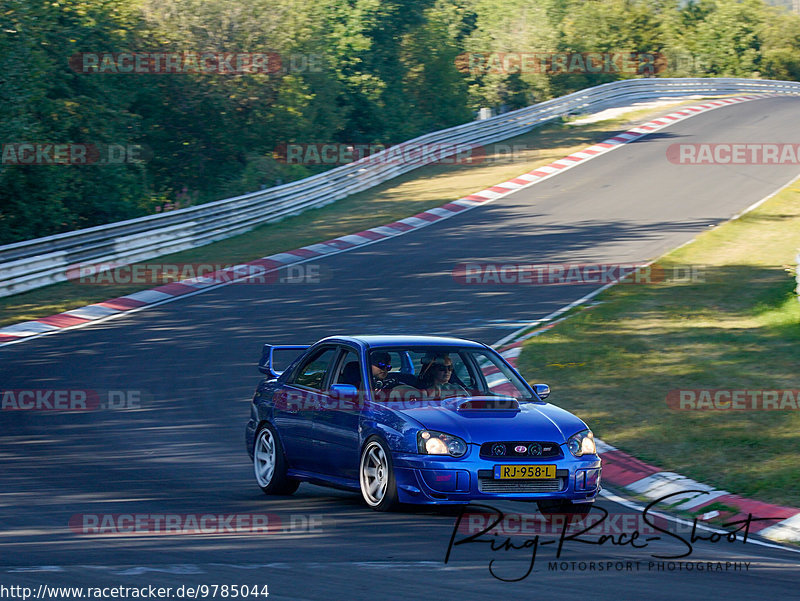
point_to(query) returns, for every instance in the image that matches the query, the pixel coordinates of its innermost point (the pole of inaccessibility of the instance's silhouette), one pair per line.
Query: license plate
(524, 472)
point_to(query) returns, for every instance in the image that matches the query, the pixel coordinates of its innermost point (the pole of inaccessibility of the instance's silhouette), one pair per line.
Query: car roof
(375, 341)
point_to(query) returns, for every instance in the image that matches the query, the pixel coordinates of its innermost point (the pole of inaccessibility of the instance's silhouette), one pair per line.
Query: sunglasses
(382, 365)
(440, 367)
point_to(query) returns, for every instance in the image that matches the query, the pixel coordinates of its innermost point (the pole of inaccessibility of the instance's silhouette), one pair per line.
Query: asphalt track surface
(182, 451)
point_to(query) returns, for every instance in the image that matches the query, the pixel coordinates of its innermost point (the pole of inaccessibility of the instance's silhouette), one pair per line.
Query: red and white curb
(144, 299)
(625, 471)
(620, 469)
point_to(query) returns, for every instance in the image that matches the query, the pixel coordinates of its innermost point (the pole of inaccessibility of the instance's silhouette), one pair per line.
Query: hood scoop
(489, 403)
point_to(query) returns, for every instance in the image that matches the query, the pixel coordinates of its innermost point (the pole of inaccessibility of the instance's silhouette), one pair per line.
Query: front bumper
(447, 480)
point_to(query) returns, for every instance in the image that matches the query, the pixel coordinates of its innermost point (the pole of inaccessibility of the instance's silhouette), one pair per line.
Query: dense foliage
(351, 71)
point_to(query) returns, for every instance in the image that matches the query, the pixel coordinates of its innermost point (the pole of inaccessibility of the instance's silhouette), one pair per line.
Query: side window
(349, 370)
(312, 373)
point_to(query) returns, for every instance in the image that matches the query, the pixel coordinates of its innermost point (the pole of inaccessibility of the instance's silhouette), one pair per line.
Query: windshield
(436, 373)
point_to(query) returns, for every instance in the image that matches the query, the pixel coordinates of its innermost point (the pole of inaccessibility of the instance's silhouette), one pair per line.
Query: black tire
(564, 508)
(274, 481)
(378, 487)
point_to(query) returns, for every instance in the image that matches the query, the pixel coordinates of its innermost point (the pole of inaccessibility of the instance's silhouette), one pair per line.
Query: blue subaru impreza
(416, 419)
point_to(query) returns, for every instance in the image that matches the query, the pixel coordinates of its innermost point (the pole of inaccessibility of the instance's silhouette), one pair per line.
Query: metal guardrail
(33, 263)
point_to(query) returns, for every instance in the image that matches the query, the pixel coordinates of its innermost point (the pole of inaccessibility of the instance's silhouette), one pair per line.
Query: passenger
(434, 377)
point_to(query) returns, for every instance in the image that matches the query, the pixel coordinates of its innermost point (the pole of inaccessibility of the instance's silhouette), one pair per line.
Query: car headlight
(582, 443)
(430, 442)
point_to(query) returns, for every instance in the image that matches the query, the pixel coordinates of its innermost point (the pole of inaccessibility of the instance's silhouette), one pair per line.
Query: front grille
(521, 486)
(507, 450)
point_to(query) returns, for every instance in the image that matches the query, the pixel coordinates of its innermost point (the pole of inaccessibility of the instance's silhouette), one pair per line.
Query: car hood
(528, 421)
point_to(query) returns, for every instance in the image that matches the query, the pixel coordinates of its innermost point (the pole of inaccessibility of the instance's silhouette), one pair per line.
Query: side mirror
(344, 391)
(542, 390)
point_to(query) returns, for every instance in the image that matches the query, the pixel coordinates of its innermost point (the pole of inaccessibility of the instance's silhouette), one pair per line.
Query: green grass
(401, 197)
(739, 329)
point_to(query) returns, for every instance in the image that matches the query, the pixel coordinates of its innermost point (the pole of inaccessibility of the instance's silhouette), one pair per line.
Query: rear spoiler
(265, 364)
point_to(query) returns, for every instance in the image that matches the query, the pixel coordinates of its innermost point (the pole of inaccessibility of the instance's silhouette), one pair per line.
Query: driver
(388, 387)
(381, 363)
